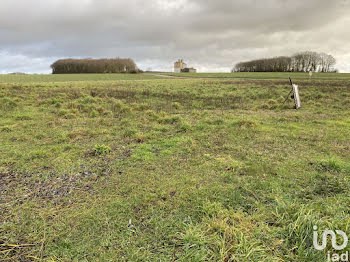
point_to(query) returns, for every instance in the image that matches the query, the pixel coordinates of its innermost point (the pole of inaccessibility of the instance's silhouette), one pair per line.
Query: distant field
(330, 76)
(71, 77)
(111, 77)
(171, 169)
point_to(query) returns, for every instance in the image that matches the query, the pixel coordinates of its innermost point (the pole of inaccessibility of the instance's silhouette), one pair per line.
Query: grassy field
(171, 169)
(72, 77)
(324, 76)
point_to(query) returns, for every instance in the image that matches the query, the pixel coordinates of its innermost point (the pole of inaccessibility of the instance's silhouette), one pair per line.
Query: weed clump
(93, 113)
(6, 129)
(102, 149)
(244, 123)
(328, 186)
(169, 120)
(7, 104)
(270, 104)
(120, 107)
(176, 105)
(330, 165)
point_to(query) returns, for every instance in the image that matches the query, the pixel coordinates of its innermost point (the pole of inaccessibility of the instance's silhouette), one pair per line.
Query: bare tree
(330, 62)
(299, 62)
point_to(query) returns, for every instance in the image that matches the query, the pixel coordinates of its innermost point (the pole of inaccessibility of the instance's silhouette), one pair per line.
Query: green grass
(328, 76)
(171, 169)
(72, 77)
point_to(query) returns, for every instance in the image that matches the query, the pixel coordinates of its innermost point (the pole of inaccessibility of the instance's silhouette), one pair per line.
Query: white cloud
(10, 63)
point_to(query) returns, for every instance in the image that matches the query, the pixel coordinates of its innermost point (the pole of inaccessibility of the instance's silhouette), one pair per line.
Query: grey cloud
(211, 35)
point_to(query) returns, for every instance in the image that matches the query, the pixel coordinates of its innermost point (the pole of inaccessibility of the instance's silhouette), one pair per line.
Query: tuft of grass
(330, 165)
(102, 149)
(245, 123)
(6, 129)
(7, 104)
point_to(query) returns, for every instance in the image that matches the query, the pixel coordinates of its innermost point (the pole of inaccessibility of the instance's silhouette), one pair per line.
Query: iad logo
(333, 239)
(332, 234)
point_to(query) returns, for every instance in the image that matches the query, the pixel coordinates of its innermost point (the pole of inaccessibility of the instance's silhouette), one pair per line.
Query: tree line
(299, 62)
(106, 65)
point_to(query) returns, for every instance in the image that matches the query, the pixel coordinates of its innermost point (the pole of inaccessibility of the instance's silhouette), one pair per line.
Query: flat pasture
(144, 168)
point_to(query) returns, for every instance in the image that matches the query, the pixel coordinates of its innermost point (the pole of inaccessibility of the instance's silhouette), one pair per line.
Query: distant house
(181, 67)
(189, 70)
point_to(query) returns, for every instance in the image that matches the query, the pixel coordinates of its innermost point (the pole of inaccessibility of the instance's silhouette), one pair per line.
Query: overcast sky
(209, 35)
